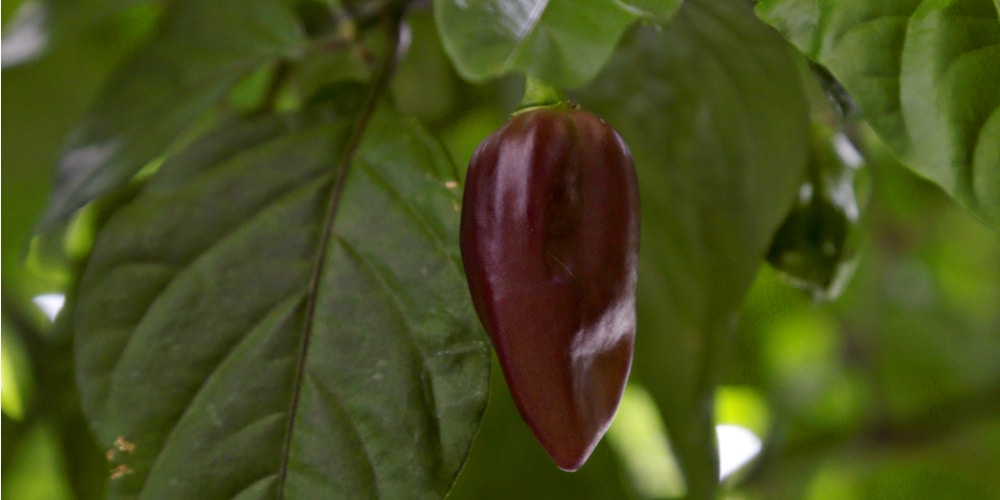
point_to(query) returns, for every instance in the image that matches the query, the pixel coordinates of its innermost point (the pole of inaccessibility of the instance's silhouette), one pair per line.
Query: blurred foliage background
(891, 391)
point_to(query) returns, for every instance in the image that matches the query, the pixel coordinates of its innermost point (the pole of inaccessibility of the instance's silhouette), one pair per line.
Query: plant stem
(539, 94)
(274, 88)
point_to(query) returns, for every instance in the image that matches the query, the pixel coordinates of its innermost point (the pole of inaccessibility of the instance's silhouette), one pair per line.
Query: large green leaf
(926, 75)
(201, 49)
(717, 120)
(564, 42)
(223, 350)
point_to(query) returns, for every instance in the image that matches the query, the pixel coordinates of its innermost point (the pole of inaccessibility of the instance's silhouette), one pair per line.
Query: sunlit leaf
(564, 42)
(717, 121)
(224, 351)
(200, 50)
(924, 73)
(38, 468)
(17, 377)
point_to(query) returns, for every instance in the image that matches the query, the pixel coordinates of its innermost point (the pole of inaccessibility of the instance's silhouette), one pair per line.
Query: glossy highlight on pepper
(550, 243)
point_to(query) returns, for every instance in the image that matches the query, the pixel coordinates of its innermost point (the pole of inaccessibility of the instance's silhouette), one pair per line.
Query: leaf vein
(414, 214)
(379, 277)
(381, 82)
(274, 203)
(530, 24)
(335, 399)
(168, 442)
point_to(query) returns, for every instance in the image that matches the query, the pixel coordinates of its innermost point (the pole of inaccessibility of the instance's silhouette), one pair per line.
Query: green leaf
(45, 98)
(41, 26)
(925, 74)
(564, 42)
(223, 350)
(718, 124)
(815, 247)
(200, 50)
(507, 462)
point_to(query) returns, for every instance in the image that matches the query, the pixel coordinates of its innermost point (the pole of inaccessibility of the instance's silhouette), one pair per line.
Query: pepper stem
(538, 94)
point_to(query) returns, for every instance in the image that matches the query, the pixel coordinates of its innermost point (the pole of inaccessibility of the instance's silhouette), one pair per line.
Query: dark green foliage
(261, 258)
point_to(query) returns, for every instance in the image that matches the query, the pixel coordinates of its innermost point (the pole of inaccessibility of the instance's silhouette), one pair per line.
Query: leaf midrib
(381, 81)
